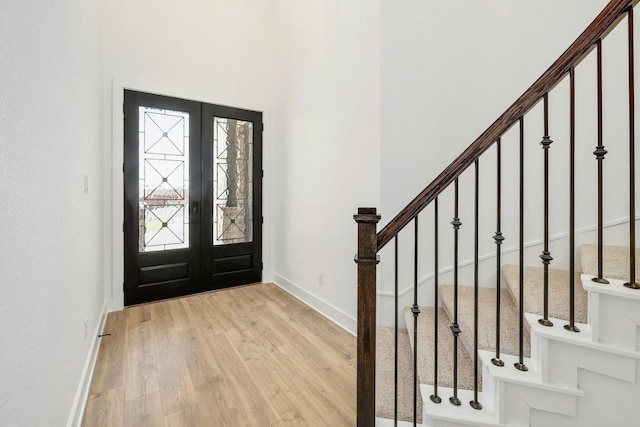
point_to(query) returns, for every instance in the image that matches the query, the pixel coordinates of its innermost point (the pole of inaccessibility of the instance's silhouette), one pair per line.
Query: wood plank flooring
(248, 356)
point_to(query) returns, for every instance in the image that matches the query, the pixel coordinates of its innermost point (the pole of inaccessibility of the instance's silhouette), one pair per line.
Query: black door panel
(193, 197)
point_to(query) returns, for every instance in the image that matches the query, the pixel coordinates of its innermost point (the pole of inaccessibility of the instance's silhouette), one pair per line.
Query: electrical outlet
(320, 279)
(86, 328)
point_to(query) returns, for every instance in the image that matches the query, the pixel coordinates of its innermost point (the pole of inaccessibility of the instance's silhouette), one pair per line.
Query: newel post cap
(367, 215)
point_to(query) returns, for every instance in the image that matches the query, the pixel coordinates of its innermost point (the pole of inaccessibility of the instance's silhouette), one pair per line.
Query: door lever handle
(195, 208)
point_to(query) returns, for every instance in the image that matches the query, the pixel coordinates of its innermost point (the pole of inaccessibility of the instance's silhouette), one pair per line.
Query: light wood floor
(249, 356)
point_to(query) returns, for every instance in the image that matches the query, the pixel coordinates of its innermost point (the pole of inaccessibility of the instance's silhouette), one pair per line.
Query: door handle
(195, 208)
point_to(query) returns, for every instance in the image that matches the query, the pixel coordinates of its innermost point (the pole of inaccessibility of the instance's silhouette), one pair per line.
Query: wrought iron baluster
(416, 311)
(546, 255)
(434, 397)
(572, 202)
(499, 238)
(455, 328)
(520, 364)
(632, 283)
(600, 153)
(475, 404)
(395, 376)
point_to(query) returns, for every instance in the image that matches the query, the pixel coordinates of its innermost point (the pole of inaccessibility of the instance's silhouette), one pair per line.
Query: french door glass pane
(232, 181)
(163, 208)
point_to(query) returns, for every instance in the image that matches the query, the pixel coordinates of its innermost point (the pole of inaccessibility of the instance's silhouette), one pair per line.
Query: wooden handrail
(570, 58)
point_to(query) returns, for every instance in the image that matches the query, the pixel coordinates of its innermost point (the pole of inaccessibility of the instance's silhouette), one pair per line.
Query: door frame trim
(113, 182)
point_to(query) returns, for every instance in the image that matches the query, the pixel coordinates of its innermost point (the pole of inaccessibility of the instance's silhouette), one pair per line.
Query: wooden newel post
(367, 261)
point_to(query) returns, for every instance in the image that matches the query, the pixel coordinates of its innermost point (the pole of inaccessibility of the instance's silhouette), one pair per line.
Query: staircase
(551, 392)
(524, 345)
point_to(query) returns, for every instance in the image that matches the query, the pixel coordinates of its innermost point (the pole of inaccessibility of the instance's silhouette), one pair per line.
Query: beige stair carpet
(426, 347)
(558, 291)
(385, 367)
(509, 328)
(426, 350)
(509, 319)
(616, 261)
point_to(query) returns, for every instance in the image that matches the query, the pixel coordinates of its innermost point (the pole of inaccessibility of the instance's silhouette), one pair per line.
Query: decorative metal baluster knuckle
(600, 153)
(455, 329)
(415, 310)
(456, 223)
(546, 257)
(498, 237)
(546, 142)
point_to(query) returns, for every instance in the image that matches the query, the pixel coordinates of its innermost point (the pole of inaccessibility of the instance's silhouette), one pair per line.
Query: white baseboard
(80, 401)
(328, 310)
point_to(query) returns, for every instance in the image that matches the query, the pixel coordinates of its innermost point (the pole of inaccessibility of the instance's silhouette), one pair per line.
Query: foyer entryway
(193, 197)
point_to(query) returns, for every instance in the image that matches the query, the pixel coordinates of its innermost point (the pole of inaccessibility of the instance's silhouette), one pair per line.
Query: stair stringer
(602, 359)
(569, 374)
(600, 370)
(551, 392)
(562, 353)
(514, 393)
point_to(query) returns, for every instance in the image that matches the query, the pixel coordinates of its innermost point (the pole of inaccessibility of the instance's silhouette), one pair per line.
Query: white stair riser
(615, 320)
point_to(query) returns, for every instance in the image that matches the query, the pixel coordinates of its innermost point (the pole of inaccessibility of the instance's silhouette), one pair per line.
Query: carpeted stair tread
(385, 366)
(509, 319)
(426, 346)
(616, 261)
(558, 291)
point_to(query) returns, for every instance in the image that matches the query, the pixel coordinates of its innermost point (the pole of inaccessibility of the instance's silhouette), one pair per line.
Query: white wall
(326, 151)
(212, 51)
(50, 256)
(449, 69)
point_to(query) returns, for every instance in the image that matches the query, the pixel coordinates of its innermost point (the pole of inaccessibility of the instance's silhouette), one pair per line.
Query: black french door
(193, 197)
